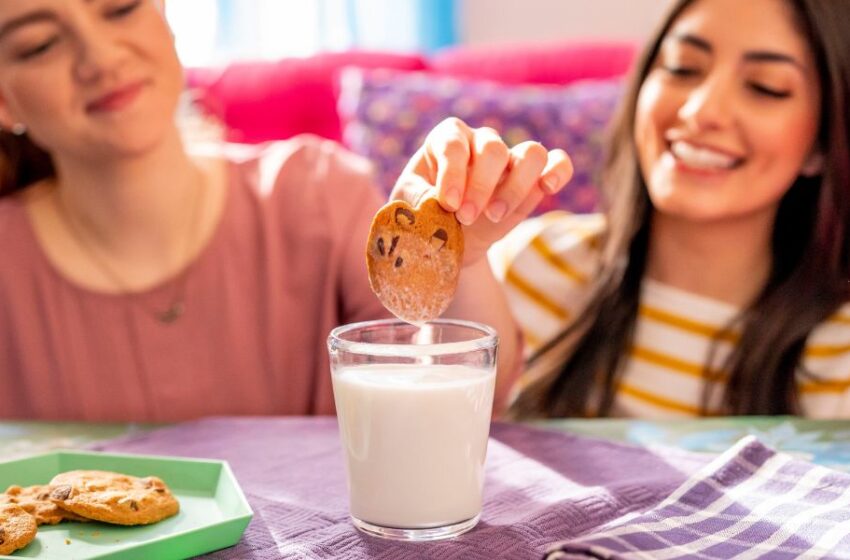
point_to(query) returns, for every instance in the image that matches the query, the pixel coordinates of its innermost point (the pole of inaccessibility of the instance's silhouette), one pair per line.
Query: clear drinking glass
(414, 407)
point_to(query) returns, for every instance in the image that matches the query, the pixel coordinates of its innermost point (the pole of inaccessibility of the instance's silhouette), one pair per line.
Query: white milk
(416, 438)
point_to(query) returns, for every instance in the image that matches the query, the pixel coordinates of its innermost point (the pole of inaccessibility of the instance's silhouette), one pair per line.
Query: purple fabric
(751, 502)
(389, 113)
(541, 487)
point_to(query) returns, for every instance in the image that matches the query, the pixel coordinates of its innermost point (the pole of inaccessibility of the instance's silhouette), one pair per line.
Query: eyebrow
(749, 56)
(26, 19)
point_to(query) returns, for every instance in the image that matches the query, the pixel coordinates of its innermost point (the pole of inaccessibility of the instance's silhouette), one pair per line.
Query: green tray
(213, 510)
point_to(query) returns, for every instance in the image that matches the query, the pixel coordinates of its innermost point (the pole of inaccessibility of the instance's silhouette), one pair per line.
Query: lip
(672, 137)
(680, 167)
(116, 99)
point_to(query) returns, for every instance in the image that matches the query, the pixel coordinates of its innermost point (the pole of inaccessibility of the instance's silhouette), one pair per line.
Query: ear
(404, 217)
(7, 120)
(813, 166)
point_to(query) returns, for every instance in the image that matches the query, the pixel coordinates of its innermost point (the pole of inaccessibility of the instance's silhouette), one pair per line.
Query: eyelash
(124, 10)
(680, 71)
(38, 50)
(684, 72)
(117, 13)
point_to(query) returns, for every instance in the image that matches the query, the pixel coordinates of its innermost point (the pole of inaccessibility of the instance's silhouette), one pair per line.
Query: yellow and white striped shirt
(547, 265)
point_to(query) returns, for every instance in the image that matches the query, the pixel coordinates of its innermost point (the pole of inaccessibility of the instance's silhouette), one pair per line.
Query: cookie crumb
(67, 541)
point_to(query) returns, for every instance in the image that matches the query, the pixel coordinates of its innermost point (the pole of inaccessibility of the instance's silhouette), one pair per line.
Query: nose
(99, 53)
(710, 105)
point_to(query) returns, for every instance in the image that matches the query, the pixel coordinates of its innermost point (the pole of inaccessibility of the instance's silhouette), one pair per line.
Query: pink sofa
(260, 101)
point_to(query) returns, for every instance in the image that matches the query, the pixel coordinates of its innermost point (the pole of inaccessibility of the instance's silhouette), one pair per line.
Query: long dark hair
(22, 163)
(577, 373)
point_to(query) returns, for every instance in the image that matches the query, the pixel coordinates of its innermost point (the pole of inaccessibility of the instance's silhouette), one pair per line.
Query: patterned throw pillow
(386, 115)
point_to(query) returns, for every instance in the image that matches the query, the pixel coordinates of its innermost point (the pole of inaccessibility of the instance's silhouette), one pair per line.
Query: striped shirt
(547, 265)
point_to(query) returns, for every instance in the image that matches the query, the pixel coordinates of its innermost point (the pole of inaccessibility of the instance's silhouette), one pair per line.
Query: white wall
(501, 21)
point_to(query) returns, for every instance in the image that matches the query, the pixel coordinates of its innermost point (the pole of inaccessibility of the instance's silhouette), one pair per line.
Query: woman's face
(88, 78)
(728, 115)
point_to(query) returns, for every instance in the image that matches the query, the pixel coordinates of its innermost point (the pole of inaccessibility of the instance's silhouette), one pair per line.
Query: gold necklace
(177, 305)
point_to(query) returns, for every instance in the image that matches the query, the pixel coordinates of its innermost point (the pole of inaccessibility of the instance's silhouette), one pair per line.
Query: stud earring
(19, 129)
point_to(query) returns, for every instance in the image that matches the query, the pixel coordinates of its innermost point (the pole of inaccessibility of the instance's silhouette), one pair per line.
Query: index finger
(558, 171)
(448, 149)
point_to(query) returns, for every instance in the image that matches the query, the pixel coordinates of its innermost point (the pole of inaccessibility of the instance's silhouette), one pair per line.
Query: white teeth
(702, 158)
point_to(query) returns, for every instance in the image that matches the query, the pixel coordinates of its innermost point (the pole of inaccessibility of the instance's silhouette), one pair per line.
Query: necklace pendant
(171, 314)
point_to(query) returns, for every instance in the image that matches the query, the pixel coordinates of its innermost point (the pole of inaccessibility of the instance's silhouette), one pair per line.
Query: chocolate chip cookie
(113, 497)
(35, 500)
(414, 257)
(17, 528)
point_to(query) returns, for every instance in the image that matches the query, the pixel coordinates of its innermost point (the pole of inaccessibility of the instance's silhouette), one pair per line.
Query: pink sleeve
(358, 198)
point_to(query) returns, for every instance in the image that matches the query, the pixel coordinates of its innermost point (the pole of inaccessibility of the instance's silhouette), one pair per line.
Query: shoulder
(548, 265)
(827, 364)
(556, 241)
(13, 220)
(304, 158)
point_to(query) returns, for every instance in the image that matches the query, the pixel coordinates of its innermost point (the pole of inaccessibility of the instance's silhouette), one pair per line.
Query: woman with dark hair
(142, 282)
(717, 280)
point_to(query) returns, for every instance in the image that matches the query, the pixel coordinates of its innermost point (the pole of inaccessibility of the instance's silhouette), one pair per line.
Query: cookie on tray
(35, 500)
(17, 528)
(113, 497)
(414, 257)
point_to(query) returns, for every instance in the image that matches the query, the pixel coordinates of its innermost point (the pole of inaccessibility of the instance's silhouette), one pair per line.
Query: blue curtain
(405, 25)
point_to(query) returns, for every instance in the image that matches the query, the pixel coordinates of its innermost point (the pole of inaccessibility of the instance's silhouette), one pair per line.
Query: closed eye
(769, 92)
(681, 71)
(124, 10)
(38, 49)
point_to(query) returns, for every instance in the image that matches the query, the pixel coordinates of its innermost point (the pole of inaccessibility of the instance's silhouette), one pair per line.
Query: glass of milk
(414, 406)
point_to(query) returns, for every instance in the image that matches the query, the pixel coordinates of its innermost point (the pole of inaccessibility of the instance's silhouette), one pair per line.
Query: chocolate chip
(134, 506)
(2, 535)
(411, 219)
(398, 262)
(393, 244)
(381, 246)
(441, 236)
(161, 490)
(61, 492)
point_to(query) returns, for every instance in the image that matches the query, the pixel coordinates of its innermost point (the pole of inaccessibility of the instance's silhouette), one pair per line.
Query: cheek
(35, 97)
(786, 142)
(649, 123)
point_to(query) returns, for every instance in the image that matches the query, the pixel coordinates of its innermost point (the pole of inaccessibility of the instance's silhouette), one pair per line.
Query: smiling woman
(717, 282)
(143, 282)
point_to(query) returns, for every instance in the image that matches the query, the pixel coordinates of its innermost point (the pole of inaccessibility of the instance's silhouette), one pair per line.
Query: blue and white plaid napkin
(751, 502)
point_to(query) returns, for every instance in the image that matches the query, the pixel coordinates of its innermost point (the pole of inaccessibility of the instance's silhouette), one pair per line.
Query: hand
(490, 187)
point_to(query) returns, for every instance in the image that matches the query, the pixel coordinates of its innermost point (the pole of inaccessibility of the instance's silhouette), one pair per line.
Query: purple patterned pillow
(388, 113)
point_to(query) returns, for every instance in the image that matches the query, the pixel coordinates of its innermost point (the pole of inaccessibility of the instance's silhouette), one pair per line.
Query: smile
(116, 99)
(702, 158)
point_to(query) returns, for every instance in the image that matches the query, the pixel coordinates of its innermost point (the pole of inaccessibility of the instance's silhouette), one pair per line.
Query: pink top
(285, 265)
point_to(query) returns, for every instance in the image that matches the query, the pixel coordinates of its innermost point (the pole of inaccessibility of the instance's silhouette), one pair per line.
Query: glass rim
(489, 339)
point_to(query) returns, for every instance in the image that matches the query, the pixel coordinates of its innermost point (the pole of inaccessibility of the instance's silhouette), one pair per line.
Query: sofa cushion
(560, 62)
(269, 100)
(387, 115)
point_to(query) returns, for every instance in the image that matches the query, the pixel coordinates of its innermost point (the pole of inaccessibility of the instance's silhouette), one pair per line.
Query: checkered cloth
(751, 502)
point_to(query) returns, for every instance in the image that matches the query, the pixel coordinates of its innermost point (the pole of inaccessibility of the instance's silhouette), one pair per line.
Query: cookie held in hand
(17, 528)
(35, 500)
(113, 497)
(414, 257)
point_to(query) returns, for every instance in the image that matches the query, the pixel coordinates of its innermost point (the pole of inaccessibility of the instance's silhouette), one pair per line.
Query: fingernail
(550, 183)
(496, 211)
(466, 214)
(453, 197)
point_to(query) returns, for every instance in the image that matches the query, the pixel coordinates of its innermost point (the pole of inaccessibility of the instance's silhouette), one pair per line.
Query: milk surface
(416, 439)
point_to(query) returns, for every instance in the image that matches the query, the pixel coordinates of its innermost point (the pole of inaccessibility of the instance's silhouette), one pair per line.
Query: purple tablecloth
(541, 487)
